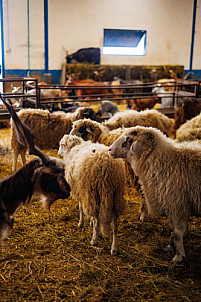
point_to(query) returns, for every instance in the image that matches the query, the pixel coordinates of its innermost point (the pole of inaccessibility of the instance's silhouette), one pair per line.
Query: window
(124, 42)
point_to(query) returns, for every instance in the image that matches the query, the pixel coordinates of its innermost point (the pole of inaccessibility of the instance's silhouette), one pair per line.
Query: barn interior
(111, 57)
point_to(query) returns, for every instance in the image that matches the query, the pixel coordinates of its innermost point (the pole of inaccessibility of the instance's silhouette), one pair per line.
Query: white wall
(74, 24)
(16, 34)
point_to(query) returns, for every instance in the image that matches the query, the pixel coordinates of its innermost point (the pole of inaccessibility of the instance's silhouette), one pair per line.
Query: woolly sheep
(170, 176)
(187, 108)
(97, 181)
(48, 128)
(96, 132)
(189, 131)
(108, 107)
(146, 118)
(166, 96)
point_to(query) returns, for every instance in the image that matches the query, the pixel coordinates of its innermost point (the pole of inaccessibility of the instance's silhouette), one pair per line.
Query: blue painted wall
(41, 75)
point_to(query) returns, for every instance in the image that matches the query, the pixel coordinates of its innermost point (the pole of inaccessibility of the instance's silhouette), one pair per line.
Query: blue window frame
(124, 42)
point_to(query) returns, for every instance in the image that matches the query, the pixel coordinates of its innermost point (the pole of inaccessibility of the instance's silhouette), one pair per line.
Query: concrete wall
(80, 23)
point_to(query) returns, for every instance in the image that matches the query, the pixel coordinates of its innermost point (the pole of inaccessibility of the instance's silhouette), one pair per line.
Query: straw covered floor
(48, 258)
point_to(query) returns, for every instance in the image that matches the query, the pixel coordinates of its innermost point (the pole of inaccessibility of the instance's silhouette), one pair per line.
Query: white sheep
(146, 118)
(96, 132)
(97, 181)
(189, 131)
(108, 107)
(170, 176)
(166, 96)
(48, 128)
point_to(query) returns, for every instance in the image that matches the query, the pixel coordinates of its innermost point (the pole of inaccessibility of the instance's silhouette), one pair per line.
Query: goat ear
(25, 135)
(136, 147)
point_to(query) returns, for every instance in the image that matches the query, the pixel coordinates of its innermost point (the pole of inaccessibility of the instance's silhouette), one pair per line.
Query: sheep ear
(136, 147)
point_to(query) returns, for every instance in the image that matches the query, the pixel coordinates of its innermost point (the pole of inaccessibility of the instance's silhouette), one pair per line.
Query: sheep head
(67, 143)
(86, 112)
(135, 140)
(87, 130)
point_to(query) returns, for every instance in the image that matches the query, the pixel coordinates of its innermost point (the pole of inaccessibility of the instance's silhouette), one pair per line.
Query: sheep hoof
(80, 225)
(142, 217)
(93, 242)
(178, 258)
(114, 252)
(169, 248)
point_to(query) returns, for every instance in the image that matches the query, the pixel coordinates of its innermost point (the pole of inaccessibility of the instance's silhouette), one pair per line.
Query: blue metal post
(28, 37)
(46, 34)
(2, 40)
(193, 34)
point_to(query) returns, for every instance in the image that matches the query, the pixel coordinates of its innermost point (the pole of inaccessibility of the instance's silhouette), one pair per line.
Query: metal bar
(2, 40)
(193, 34)
(28, 37)
(46, 35)
(18, 79)
(37, 95)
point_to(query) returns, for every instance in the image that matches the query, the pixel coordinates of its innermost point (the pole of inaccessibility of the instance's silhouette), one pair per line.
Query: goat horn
(66, 51)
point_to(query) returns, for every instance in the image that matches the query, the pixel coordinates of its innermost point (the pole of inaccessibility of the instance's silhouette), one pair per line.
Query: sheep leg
(15, 157)
(143, 211)
(171, 245)
(81, 221)
(91, 222)
(114, 240)
(179, 232)
(23, 157)
(186, 233)
(94, 239)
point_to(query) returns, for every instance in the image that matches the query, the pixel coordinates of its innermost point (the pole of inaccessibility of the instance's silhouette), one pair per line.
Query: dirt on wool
(48, 258)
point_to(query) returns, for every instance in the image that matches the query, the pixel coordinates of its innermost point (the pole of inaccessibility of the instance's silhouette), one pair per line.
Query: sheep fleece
(48, 128)
(171, 177)
(189, 131)
(146, 118)
(102, 135)
(96, 180)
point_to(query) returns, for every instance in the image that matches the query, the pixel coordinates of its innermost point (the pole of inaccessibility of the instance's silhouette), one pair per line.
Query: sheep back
(123, 118)
(189, 131)
(108, 138)
(146, 118)
(48, 128)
